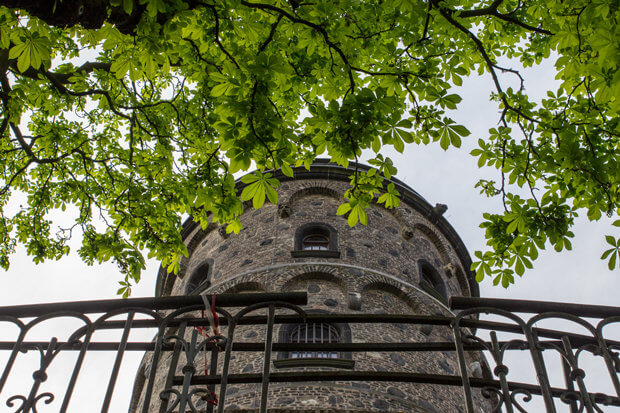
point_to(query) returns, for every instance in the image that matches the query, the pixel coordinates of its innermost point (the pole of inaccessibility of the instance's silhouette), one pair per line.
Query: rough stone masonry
(408, 260)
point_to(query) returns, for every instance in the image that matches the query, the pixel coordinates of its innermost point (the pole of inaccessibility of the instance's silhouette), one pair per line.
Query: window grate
(314, 333)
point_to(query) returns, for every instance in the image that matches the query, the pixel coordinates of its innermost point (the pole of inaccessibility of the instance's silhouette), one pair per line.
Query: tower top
(323, 169)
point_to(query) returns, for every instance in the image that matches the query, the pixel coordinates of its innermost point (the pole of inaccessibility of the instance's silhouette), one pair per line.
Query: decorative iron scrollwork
(166, 394)
(526, 397)
(494, 394)
(29, 405)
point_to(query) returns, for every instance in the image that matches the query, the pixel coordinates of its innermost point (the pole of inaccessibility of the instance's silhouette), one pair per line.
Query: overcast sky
(577, 276)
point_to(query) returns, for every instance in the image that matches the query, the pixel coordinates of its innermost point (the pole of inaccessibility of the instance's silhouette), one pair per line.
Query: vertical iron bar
(578, 373)
(117, 362)
(76, 371)
(174, 360)
(569, 383)
(40, 375)
(154, 362)
(224, 379)
(501, 371)
(12, 357)
(460, 355)
(313, 333)
(612, 368)
(188, 371)
(212, 372)
(541, 370)
(267, 360)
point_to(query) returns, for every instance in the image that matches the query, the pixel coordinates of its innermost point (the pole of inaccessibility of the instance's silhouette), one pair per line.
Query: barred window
(314, 333)
(315, 239)
(315, 242)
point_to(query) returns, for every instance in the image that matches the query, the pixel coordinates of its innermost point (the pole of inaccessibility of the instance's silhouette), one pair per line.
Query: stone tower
(408, 260)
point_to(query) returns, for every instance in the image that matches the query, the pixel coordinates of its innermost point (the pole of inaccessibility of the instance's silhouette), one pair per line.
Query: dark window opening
(315, 333)
(315, 242)
(431, 281)
(425, 277)
(199, 280)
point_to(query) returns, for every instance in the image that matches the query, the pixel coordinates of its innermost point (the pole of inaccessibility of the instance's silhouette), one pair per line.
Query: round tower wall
(268, 239)
(368, 269)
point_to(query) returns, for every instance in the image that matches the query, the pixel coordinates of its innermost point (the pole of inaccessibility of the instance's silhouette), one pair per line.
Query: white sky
(576, 276)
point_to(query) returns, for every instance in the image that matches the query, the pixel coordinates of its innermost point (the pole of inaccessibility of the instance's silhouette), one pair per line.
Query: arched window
(200, 279)
(431, 281)
(316, 240)
(316, 333)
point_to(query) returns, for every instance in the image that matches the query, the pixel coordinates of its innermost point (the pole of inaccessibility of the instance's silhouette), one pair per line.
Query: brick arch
(247, 279)
(390, 287)
(315, 275)
(337, 193)
(345, 277)
(245, 286)
(314, 189)
(435, 240)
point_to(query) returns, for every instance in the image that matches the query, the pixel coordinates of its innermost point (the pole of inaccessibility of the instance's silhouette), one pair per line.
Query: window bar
(323, 354)
(267, 359)
(314, 353)
(117, 362)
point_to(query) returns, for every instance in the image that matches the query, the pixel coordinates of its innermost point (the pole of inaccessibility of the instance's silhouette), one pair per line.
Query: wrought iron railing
(177, 334)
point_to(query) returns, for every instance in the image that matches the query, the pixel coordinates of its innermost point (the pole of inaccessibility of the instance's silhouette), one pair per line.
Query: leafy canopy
(136, 112)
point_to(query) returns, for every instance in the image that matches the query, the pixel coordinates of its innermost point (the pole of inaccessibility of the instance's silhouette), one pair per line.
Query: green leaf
(259, 197)
(343, 209)
(287, 170)
(519, 267)
(250, 191)
(128, 6)
(234, 226)
(612, 261)
(353, 216)
(272, 195)
(607, 253)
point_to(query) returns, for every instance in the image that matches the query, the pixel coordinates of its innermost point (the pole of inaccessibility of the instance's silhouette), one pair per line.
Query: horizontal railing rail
(533, 307)
(179, 326)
